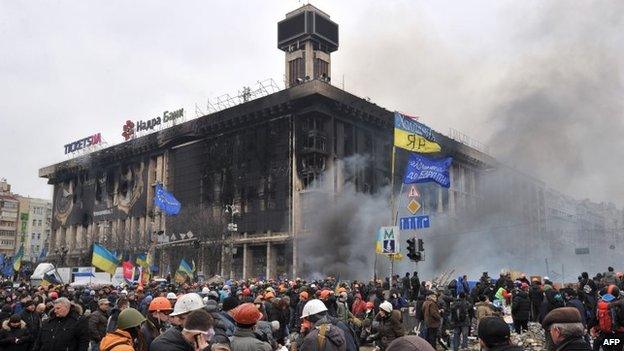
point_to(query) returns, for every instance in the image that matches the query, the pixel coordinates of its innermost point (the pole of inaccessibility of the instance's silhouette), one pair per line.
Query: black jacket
(15, 339)
(573, 344)
(521, 307)
(63, 334)
(171, 340)
(33, 322)
(535, 294)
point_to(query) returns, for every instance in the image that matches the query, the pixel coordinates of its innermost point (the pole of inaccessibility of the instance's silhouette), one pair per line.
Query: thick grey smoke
(342, 229)
(559, 112)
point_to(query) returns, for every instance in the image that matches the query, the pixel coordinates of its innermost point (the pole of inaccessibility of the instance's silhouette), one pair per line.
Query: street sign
(389, 238)
(413, 192)
(413, 206)
(417, 222)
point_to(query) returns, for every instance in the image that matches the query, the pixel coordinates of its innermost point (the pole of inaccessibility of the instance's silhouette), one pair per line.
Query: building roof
(264, 108)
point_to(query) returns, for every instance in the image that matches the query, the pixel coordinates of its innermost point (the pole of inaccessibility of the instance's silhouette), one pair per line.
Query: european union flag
(166, 201)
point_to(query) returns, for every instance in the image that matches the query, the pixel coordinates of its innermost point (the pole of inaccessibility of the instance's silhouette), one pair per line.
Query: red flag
(128, 270)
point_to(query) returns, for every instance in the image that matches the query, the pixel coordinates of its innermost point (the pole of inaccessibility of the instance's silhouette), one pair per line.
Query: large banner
(421, 169)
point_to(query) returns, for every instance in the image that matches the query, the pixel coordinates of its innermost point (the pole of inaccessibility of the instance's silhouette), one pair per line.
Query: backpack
(607, 318)
(460, 311)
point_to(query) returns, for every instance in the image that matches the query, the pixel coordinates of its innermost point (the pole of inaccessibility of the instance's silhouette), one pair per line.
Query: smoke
(342, 230)
(559, 111)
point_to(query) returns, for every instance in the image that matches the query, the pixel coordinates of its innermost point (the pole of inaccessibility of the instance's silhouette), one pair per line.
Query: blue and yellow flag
(185, 267)
(413, 136)
(104, 259)
(17, 259)
(141, 260)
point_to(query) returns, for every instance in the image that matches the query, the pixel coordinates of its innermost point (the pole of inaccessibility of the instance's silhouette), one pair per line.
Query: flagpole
(392, 199)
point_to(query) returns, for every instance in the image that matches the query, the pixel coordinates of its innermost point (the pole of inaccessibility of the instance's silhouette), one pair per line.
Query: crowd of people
(314, 315)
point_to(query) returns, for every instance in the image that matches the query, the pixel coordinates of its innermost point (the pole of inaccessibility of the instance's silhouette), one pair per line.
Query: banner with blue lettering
(421, 169)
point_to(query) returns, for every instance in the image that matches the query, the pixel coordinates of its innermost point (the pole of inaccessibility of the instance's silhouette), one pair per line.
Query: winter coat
(358, 308)
(390, 328)
(171, 340)
(431, 314)
(553, 300)
(97, 325)
(535, 294)
(112, 320)
(576, 303)
(461, 315)
(521, 307)
(63, 334)
(33, 322)
(609, 278)
(245, 340)
(295, 324)
(484, 309)
(15, 339)
(334, 338)
(119, 340)
(573, 344)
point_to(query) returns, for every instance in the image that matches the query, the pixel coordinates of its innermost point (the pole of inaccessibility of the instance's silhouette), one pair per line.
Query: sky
(539, 82)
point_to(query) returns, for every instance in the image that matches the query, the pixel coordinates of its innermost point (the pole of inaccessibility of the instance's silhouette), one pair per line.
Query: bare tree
(208, 226)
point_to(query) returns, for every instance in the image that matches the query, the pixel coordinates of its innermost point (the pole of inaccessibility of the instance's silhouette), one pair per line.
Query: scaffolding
(247, 93)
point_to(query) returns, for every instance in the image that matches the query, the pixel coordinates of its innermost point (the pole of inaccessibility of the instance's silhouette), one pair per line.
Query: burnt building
(251, 176)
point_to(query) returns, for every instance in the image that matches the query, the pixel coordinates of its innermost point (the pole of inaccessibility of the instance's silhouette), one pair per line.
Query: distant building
(36, 218)
(9, 206)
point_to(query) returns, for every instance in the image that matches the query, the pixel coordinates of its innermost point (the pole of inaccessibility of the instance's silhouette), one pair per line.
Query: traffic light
(420, 245)
(412, 254)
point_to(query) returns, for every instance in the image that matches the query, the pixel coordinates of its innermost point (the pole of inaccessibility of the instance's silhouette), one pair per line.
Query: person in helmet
(186, 304)
(127, 336)
(390, 325)
(320, 334)
(172, 298)
(246, 316)
(196, 334)
(157, 319)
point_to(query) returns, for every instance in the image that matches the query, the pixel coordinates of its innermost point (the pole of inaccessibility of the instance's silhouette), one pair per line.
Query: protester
(246, 316)
(126, 336)
(494, 335)
(566, 329)
(15, 335)
(195, 334)
(320, 334)
(64, 330)
(157, 320)
(98, 320)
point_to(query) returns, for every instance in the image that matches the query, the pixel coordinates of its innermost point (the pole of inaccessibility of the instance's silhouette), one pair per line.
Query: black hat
(493, 331)
(15, 318)
(230, 303)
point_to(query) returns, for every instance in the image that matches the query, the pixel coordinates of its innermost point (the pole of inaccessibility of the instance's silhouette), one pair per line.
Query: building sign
(130, 128)
(83, 143)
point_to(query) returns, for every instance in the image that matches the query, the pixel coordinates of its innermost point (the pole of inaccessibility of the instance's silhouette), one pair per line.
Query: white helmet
(313, 307)
(386, 307)
(187, 303)
(171, 296)
(205, 290)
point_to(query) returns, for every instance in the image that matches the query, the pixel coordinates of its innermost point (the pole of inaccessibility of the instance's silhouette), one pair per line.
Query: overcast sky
(492, 69)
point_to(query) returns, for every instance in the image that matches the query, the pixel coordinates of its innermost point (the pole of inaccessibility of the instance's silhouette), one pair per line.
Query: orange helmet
(246, 314)
(303, 295)
(160, 304)
(370, 305)
(246, 292)
(341, 290)
(269, 295)
(325, 294)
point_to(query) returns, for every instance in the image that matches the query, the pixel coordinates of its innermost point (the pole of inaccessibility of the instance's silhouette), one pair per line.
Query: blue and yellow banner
(413, 136)
(104, 260)
(141, 260)
(17, 259)
(421, 169)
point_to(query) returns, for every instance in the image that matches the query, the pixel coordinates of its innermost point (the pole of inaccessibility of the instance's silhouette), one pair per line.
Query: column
(245, 260)
(268, 260)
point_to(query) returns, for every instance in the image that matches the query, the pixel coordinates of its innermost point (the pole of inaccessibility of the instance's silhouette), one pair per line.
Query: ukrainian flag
(17, 259)
(186, 268)
(378, 242)
(104, 259)
(141, 260)
(413, 136)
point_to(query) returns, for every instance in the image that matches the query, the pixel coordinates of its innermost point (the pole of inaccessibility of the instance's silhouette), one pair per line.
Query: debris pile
(531, 340)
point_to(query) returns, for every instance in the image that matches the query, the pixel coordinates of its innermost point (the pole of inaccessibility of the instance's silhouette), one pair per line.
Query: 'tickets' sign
(82, 143)
(129, 129)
